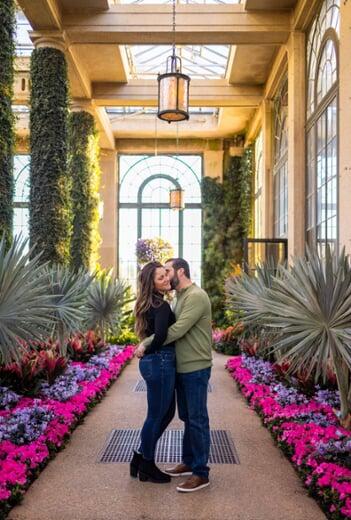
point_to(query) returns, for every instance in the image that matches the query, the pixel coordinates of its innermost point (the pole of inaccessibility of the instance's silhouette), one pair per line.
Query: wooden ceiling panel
(251, 64)
(269, 5)
(103, 62)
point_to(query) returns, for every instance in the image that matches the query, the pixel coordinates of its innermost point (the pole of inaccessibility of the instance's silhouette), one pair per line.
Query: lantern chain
(174, 27)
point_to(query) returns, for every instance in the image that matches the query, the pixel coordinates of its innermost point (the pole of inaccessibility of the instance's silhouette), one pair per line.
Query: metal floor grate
(120, 445)
(141, 386)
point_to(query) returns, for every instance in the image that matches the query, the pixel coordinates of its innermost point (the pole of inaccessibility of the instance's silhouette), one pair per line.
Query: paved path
(75, 487)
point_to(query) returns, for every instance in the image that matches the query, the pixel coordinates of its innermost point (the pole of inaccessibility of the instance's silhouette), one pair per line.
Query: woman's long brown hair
(146, 297)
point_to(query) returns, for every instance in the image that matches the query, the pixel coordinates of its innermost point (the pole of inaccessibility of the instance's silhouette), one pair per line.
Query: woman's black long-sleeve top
(159, 317)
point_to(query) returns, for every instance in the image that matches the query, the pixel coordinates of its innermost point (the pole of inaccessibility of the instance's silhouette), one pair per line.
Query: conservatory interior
(217, 131)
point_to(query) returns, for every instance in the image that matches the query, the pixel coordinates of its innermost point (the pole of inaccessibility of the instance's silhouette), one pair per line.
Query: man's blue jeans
(158, 371)
(192, 408)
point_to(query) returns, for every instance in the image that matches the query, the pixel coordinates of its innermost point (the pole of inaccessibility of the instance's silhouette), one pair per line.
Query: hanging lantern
(173, 87)
(173, 91)
(176, 199)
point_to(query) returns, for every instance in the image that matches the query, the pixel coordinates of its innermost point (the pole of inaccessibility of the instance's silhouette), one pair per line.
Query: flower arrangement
(33, 429)
(153, 250)
(306, 428)
(226, 341)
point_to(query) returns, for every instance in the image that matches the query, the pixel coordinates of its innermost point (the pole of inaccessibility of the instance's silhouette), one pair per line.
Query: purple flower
(25, 424)
(286, 396)
(262, 371)
(331, 397)
(8, 398)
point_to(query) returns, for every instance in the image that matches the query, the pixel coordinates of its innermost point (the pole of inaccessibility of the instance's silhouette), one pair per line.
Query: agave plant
(105, 300)
(69, 292)
(25, 307)
(310, 305)
(244, 293)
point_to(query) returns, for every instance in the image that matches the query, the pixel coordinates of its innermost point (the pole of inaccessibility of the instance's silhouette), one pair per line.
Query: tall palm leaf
(25, 307)
(105, 301)
(243, 293)
(69, 292)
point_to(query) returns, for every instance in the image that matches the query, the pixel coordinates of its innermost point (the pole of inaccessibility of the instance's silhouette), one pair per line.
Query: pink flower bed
(308, 432)
(20, 463)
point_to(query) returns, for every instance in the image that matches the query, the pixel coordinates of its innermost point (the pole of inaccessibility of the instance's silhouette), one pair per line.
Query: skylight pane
(24, 45)
(199, 61)
(178, 1)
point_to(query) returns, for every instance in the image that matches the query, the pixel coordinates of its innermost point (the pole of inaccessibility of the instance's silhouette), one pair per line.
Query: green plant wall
(7, 53)
(227, 221)
(84, 170)
(50, 207)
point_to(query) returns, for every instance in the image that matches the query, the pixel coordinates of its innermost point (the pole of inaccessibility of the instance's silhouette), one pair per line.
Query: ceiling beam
(206, 93)
(42, 13)
(195, 24)
(304, 12)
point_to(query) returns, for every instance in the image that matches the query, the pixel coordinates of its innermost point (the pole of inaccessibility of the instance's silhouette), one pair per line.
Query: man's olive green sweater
(192, 331)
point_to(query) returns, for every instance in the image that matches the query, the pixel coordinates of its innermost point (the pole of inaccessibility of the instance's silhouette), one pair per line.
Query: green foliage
(105, 300)
(309, 308)
(84, 170)
(50, 208)
(246, 191)
(227, 221)
(25, 306)
(68, 291)
(124, 334)
(7, 50)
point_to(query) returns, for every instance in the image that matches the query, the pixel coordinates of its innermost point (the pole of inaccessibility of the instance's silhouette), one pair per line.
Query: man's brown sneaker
(181, 470)
(193, 483)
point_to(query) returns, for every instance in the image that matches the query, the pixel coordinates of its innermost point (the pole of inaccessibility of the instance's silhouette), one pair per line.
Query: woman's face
(161, 280)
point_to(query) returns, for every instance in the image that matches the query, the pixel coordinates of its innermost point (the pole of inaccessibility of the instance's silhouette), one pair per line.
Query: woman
(153, 316)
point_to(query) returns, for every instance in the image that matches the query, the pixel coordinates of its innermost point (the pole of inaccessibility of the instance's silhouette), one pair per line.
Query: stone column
(345, 127)
(109, 221)
(296, 151)
(267, 191)
(213, 164)
(49, 215)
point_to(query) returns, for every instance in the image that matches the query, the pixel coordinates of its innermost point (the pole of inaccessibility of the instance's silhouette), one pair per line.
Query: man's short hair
(180, 263)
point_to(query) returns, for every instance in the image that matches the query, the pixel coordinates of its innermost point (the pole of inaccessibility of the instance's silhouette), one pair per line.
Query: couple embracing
(175, 362)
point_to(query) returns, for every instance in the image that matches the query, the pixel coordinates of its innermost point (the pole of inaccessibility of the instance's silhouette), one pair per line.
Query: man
(193, 336)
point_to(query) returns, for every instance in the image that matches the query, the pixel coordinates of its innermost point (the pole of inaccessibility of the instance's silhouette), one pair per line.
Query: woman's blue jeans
(158, 370)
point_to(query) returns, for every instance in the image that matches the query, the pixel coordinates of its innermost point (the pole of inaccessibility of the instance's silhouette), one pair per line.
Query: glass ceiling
(24, 45)
(199, 61)
(177, 1)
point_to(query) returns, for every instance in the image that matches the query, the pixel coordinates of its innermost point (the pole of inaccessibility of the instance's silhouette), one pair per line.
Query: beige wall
(108, 223)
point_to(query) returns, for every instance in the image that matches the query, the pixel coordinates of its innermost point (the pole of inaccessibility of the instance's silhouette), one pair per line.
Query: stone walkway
(75, 487)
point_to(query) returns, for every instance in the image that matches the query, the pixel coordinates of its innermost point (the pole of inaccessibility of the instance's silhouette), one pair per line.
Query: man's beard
(174, 282)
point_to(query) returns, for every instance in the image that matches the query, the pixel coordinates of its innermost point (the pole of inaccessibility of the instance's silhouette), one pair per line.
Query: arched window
(144, 211)
(280, 168)
(322, 128)
(21, 196)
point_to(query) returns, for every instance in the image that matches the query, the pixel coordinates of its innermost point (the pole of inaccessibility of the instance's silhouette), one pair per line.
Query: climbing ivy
(50, 208)
(83, 166)
(7, 53)
(227, 221)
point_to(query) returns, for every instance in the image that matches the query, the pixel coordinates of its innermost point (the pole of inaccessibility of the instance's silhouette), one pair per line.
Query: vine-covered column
(84, 170)
(50, 207)
(227, 221)
(7, 52)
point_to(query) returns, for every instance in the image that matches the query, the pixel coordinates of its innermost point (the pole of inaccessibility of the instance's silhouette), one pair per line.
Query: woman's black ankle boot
(135, 463)
(149, 472)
